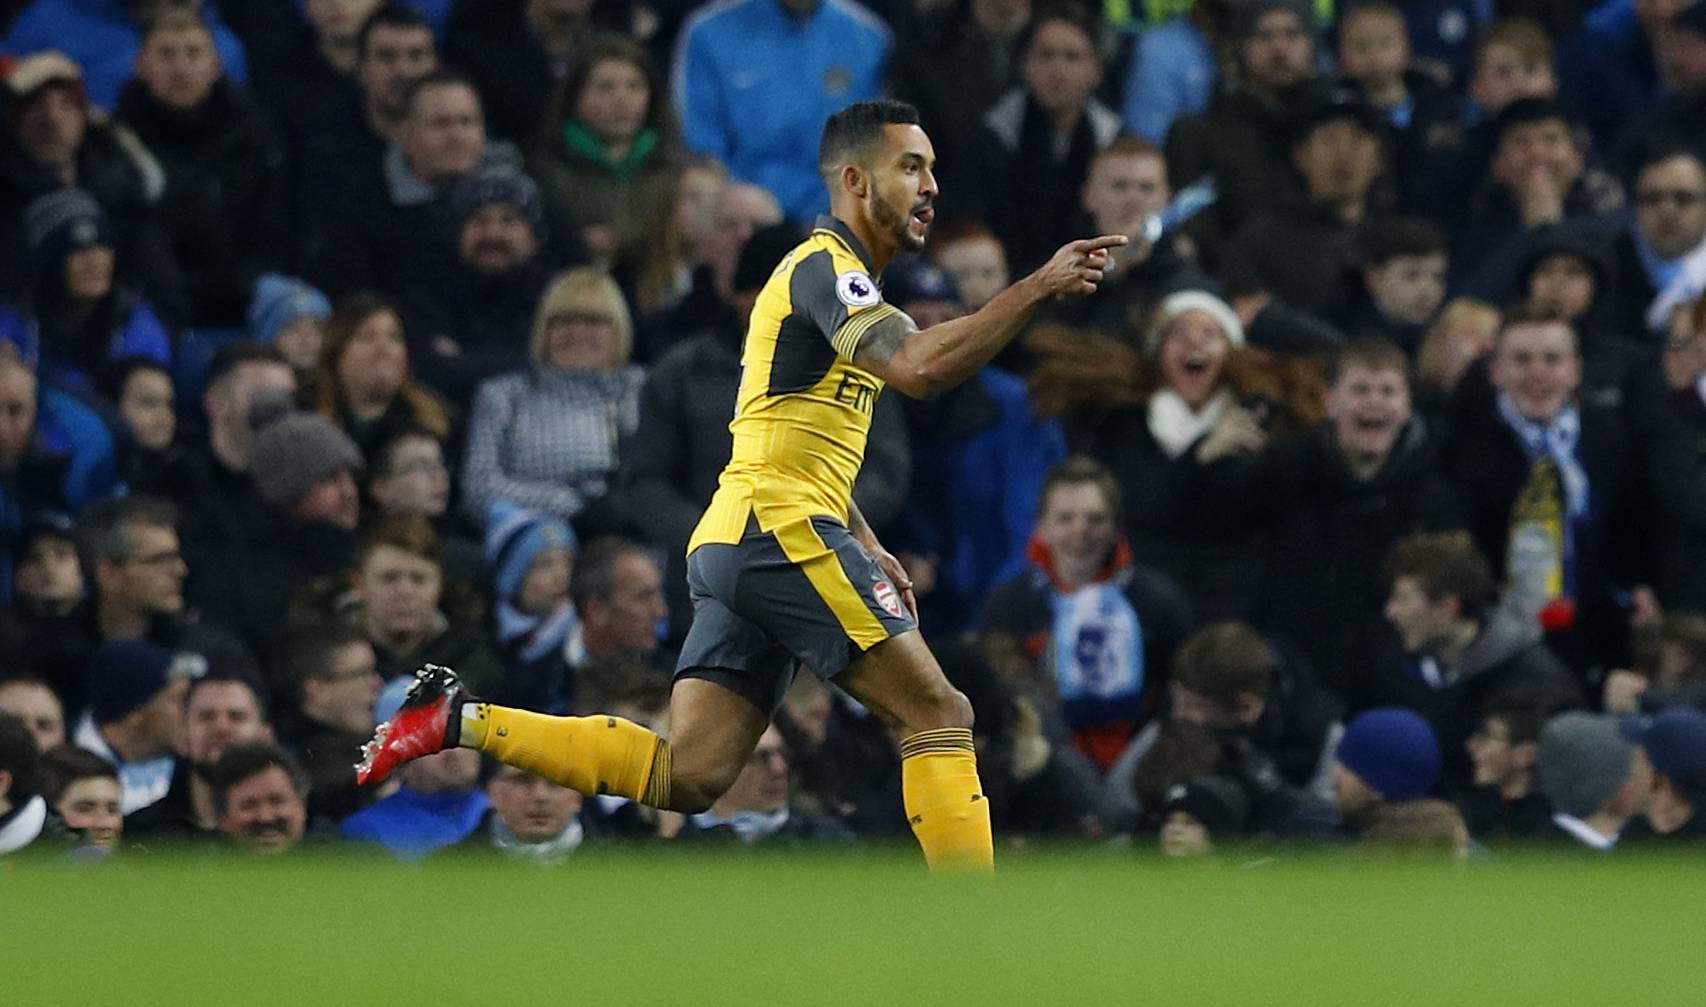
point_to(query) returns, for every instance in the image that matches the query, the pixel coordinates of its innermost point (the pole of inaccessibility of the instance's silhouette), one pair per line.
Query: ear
(854, 181)
(1249, 707)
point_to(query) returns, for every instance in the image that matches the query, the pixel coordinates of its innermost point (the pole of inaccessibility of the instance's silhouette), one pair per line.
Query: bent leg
(901, 682)
(712, 732)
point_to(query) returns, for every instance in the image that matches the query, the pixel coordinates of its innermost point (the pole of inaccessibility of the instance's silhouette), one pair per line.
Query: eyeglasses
(1683, 198)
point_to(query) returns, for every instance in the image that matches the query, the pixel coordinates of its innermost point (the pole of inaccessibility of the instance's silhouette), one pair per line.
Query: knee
(944, 707)
(693, 791)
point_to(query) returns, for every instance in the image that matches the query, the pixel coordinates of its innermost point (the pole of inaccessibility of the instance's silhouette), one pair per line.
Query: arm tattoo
(879, 343)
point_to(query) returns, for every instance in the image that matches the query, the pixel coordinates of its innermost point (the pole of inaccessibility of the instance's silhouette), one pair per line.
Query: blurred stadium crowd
(1365, 502)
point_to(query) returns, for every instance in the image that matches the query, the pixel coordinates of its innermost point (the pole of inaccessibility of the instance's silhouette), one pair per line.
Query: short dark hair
(1650, 154)
(117, 375)
(442, 77)
(1223, 661)
(1066, 13)
(103, 532)
(620, 680)
(244, 760)
(594, 577)
(386, 453)
(20, 757)
(1400, 237)
(176, 15)
(849, 133)
(1446, 564)
(309, 650)
(410, 533)
(228, 358)
(389, 15)
(1528, 313)
(1525, 707)
(256, 689)
(1182, 752)
(1376, 353)
(65, 765)
(1080, 470)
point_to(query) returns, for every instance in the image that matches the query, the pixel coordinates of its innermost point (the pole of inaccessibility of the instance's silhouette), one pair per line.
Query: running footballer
(783, 569)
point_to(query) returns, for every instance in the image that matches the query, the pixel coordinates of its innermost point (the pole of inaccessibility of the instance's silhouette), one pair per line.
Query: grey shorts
(805, 593)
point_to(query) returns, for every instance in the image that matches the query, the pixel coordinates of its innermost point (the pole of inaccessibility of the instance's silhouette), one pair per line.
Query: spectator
(410, 476)
(1340, 151)
(1404, 264)
(978, 458)
(59, 143)
(105, 39)
(49, 583)
(399, 584)
(1682, 582)
(970, 252)
(439, 804)
(531, 819)
(55, 454)
(1596, 779)
(547, 438)
(343, 102)
(1194, 814)
(219, 711)
(517, 51)
(1545, 475)
(1538, 176)
(1024, 173)
(1674, 120)
(83, 790)
(608, 152)
(1329, 507)
(1126, 185)
(532, 556)
(1611, 67)
(246, 382)
(329, 679)
(617, 589)
(755, 807)
(1386, 756)
(388, 230)
(1243, 137)
(1101, 627)
(470, 321)
(136, 711)
(152, 460)
(1277, 729)
(307, 475)
(1675, 744)
(1419, 826)
(1174, 69)
(77, 317)
(261, 797)
(305, 63)
(739, 211)
(1513, 60)
(226, 194)
(365, 384)
(1503, 803)
(1460, 645)
(130, 552)
(34, 704)
(1661, 260)
(751, 78)
(953, 75)
(23, 812)
(290, 316)
(1669, 667)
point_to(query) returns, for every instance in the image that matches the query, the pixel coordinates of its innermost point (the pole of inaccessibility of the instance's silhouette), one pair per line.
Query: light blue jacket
(1172, 75)
(754, 84)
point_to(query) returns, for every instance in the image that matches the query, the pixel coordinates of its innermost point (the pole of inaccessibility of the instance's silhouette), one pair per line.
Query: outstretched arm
(923, 363)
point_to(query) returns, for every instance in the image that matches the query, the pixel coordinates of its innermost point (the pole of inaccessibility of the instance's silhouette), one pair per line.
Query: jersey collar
(832, 224)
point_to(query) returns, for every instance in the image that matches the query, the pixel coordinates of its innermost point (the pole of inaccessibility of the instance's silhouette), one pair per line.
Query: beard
(895, 222)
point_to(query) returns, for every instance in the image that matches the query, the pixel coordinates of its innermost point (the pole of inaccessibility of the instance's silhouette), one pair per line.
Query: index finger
(1100, 242)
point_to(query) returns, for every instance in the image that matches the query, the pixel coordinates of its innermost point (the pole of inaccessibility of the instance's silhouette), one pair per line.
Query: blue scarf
(1561, 439)
(534, 636)
(1097, 643)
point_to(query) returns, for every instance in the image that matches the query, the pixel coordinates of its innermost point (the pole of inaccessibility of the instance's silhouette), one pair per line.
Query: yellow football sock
(594, 755)
(944, 800)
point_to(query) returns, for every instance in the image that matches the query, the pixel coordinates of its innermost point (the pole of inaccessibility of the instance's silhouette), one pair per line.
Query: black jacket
(1492, 819)
(489, 317)
(1328, 533)
(494, 43)
(226, 195)
(1264, 255)
(1244, 141)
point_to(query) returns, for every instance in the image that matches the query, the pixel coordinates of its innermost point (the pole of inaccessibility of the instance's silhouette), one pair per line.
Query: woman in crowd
(364, 382)
(546, 438)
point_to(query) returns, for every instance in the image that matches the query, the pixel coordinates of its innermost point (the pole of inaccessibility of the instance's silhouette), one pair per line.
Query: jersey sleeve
(840, 298)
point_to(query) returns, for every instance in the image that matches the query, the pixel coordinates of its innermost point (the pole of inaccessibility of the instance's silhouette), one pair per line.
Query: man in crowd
(1503, 802)
(23, 812)
(246, 382)
(1595, 777)
(1661, 258)
(531, 819)
(261, 797)
(219, 711)
(755, 807)
(329, 683)
(34, 703)
(135, 717)
(618, 590)
(1675, 743)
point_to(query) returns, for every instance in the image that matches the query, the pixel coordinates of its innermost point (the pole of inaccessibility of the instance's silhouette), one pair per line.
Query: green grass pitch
(861, 927)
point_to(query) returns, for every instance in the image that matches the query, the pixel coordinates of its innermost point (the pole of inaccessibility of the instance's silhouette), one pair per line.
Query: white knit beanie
(1177, 304)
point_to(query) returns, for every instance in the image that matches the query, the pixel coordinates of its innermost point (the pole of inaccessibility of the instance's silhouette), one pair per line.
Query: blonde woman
(546, 438)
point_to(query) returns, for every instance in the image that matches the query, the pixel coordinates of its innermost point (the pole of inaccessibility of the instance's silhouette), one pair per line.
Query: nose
(927, 184)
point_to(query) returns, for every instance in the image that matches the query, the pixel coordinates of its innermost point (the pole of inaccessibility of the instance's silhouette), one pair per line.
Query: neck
(1073, 575)
(401, 644)
(118, 623)
(1351, 211)
(1066, 120)
(1449, 649)
(125, 745)
(1520, 785)
(1364, 467)
(1387, 93)
(383, 125)
(617, 150)
(339, 53)
(225, 448)
(367, 409)
(876, 244)
(201, 803)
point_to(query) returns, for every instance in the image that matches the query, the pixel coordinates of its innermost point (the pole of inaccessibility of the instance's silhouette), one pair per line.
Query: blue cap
(1675, 743)
(909, 280)
(514, 539)
(123, 675)
(280, 300)
(1393, 750)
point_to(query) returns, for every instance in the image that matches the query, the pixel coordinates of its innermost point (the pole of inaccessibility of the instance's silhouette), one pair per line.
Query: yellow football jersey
(804, 408)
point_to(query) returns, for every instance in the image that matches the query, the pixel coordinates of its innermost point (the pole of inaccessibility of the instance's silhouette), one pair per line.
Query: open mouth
(1197, 364)
(924, 214)
(1373, 424)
